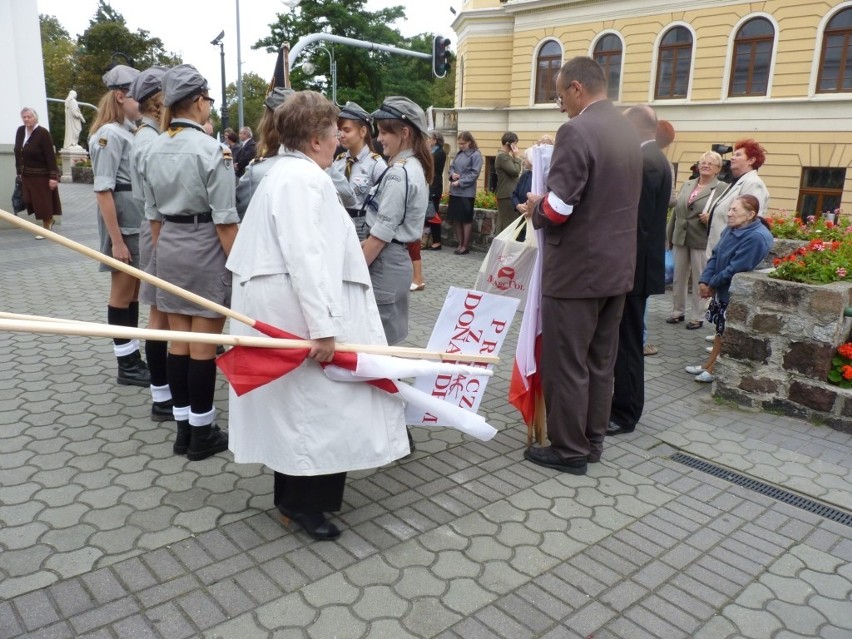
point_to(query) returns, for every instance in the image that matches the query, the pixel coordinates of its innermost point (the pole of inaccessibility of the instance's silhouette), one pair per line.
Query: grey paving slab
(105, 533)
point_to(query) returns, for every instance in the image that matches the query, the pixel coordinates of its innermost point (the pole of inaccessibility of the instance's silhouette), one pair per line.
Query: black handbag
(18, 203)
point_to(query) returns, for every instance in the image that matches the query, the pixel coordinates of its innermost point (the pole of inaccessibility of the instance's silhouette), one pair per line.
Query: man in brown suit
(589, 254)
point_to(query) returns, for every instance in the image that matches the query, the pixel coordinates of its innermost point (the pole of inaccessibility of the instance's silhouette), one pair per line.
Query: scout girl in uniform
(360, 165)
(189, 190)
(119, 214)
(397, 209)
(147, 91)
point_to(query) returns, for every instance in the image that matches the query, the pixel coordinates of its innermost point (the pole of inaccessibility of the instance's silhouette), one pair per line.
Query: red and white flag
(525, 387)
(247, 368)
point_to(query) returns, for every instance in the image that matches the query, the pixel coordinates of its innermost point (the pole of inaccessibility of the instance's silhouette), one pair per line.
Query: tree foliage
(254, 93)
(363, 76)
(79, 66)
(108, 41)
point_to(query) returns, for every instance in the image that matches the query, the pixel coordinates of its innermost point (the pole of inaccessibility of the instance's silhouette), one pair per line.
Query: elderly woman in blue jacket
(743, 245)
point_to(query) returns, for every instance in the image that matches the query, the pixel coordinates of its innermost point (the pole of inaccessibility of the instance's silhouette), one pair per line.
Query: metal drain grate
(805, 503)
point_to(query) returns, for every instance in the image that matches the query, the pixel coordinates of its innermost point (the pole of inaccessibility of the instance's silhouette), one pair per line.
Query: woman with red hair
(747, 158)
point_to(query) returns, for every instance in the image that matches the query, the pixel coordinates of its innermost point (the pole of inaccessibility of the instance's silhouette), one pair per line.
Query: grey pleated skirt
(391, 274)
(147, 262)
(190, 256)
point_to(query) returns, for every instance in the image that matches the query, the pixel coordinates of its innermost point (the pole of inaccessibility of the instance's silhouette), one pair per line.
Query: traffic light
(440, 56)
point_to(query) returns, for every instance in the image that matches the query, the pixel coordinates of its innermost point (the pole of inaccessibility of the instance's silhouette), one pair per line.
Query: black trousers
(579, 340)
(628, 398)
(315, 494)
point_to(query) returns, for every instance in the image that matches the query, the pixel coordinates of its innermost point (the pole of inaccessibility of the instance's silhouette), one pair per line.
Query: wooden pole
(205, 303)
(51, 326)
(286, 48)
(125, 268)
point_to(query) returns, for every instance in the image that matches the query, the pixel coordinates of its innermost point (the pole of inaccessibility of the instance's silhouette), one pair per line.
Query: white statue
(74, 121)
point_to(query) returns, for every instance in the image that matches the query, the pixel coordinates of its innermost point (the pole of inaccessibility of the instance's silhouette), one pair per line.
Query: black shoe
(162, 411)
(614, 429)
(315, 524)
(546, 456)
(593, 458)
(206, 441)
(675, 320)
(133, 371)
(181, 444)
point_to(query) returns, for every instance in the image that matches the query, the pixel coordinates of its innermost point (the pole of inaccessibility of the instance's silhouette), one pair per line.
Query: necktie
(348, 170)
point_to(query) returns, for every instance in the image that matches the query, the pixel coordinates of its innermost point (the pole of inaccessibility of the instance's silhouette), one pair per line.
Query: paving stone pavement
(105, 533)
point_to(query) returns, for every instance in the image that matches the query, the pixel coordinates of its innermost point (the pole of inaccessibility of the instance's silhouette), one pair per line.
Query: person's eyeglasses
(338, 134)
(558, 100)
(212, 101)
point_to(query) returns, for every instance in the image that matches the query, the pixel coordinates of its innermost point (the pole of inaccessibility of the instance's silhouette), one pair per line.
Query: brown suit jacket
(597, 168)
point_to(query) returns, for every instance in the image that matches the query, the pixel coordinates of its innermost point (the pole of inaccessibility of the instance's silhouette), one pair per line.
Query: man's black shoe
(206, 441)
(546, 456)
(614, 429)
(593, 458)
(133, 371)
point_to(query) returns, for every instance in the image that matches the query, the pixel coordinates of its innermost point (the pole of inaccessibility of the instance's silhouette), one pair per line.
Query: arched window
(673, 64)
(608, 55)
(547, 68)
(752, 55)
(835, 65)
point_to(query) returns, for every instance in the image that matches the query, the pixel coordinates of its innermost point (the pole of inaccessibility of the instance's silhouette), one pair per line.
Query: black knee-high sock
(156, 354)
(118, 317)
(133, 316)
(177, 367)
(202, 385)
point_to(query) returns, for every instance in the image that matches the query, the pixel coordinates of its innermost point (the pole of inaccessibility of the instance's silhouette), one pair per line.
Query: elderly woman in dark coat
(35, 164)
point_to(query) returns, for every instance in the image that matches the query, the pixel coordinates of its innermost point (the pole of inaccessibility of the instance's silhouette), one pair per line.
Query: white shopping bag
(508, 267)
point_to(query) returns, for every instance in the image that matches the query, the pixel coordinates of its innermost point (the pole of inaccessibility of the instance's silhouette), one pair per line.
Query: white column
(23, 82)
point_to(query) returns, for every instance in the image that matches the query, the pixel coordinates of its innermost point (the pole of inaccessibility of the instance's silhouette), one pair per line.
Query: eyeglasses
(558, 100)
(707, 164)
(210, 100)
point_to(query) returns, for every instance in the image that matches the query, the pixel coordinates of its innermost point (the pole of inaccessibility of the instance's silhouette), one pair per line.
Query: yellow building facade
(778, 71)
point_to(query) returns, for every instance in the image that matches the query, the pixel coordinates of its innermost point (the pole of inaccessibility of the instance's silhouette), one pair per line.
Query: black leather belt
(356, 213)
(398, 242)
(189, 219)
(122, 187)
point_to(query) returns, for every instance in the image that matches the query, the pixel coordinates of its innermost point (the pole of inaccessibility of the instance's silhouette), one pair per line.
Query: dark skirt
(716, 315)
(41, 201)
(460, 209)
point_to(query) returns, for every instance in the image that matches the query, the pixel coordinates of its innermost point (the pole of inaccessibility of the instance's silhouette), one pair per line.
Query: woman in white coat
(297, 264)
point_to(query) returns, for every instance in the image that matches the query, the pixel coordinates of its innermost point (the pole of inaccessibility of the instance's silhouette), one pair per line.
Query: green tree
(254, 93)
(107, 41)
(58, 53)
(363, 76)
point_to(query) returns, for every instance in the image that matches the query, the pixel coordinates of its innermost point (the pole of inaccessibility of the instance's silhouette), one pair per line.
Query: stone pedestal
(69, 158)
(779, 340)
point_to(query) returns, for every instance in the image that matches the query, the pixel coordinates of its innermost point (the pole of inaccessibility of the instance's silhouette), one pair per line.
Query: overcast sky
(189, 34)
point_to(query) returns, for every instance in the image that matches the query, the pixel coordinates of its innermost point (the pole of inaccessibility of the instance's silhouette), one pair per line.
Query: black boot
(411, 445)
(206, 441)
(181, 444)
(133, 371)
(162, 411)
(315, 524)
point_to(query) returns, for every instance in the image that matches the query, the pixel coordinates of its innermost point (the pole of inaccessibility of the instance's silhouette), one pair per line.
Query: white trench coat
(297, 264)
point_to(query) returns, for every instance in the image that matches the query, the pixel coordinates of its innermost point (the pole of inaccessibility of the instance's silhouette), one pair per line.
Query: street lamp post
(218, 41)
(239, 72)
(310, 69)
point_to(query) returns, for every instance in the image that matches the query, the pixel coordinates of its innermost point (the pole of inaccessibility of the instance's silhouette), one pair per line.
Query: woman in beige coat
(686, 235)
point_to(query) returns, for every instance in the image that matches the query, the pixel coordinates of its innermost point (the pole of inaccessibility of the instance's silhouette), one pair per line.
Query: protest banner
(469, 322)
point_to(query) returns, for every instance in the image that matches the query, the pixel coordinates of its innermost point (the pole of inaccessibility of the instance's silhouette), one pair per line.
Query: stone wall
(779, 340)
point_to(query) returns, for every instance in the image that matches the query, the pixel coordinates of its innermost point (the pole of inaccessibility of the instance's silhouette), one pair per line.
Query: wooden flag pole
(212, 306)
(125, 268)
(286, 49)
(51, 326)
